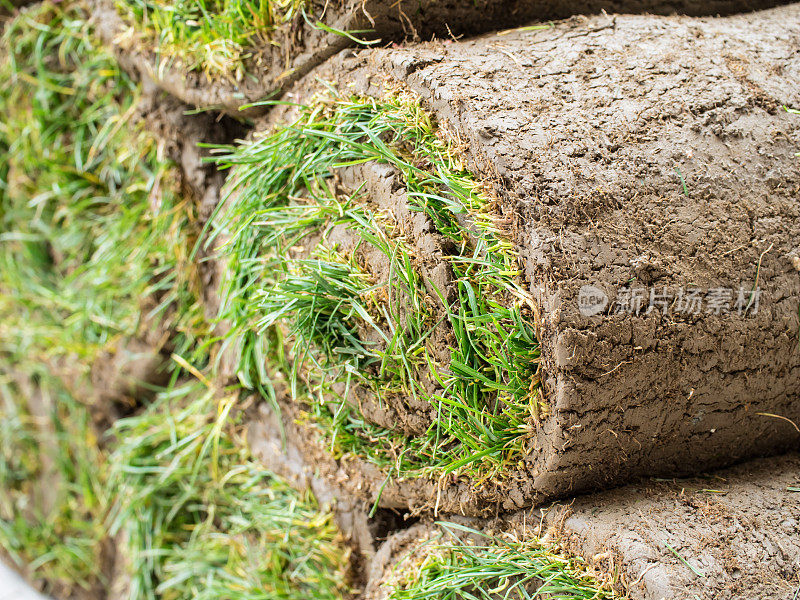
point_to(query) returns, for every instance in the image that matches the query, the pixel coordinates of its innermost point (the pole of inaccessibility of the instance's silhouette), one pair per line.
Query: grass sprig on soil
(283, 198)
(464, 564)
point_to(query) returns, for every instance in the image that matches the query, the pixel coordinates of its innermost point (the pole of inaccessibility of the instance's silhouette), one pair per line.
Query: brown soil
(296, 48)
(124, 377)
(585, 127)
(740, 528)
(181, 132)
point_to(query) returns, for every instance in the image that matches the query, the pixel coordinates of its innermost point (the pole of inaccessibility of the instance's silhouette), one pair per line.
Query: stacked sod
(402, 247)
(226, 54)
(622, 537)
(97, 289)
(402, 297)
(167, 502)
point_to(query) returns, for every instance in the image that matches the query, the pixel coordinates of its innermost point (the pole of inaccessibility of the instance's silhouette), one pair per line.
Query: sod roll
(707, 550)
(609, 290)
(285, 43)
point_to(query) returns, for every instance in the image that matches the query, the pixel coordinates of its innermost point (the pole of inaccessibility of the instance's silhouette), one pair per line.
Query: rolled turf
(442, 249)
(226, 54)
